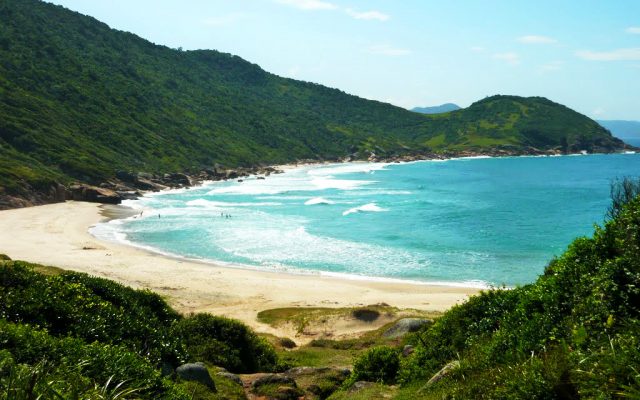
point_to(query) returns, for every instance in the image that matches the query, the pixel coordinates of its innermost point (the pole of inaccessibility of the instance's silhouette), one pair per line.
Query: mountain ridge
(622, 129)
(442, 108)
(82, 101)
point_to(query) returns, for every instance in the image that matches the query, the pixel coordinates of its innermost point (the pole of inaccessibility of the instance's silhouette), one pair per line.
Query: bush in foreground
(226, 343)
(379, 364)
(69, 335)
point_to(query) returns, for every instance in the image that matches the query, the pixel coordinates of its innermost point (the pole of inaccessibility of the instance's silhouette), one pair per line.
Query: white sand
(57, 235)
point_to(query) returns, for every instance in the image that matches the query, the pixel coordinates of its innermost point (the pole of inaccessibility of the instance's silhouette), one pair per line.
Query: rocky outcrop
(177, 179)
(196, 372)
(228, 375)
(404, 326)
(270, 379)
(96, 194)
(125, 185)
(360, 385)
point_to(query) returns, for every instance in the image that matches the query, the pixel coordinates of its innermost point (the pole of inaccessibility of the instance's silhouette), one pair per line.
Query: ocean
(470, 222)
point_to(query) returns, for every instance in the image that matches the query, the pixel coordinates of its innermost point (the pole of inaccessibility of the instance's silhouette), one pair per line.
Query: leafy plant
(379, 364)
(226, 343)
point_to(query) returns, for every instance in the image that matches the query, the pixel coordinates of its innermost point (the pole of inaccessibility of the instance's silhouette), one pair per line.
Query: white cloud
(388, 50)
(308, 4)
(510, 58)
(224, 20)
(536, 39)
(552, 66)
(599, 111)
(630, 54)
(367, 15)
(478, 49)
(634, 30)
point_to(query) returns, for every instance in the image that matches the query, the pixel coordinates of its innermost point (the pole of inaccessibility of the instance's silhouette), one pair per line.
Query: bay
(470, 222)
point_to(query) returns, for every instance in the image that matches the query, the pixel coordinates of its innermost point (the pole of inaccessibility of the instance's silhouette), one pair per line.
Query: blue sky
(584, 54)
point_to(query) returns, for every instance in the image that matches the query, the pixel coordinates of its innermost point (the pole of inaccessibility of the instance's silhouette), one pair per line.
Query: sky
(584, 54)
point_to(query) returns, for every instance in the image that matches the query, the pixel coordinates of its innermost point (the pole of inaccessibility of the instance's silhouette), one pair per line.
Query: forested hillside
(80, 101)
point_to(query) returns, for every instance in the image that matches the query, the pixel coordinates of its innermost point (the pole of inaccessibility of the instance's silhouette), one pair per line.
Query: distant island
(443, 108)
(622, 129)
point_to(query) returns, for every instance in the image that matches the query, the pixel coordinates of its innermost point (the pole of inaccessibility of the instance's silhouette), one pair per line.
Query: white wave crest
(219, 204)
(328, 182)
(370, 207)
(349, 168)
(318, 200)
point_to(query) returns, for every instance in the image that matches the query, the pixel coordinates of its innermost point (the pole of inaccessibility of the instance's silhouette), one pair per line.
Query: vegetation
(574, 333)
(380, 364)
(69, 335)
(225, 343)
(80, 101)
(301, 320)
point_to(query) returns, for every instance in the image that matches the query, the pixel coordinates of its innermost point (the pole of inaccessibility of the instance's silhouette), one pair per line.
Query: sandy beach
(57, 234)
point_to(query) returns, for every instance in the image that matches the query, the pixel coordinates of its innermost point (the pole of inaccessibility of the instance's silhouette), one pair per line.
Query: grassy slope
(80, 101)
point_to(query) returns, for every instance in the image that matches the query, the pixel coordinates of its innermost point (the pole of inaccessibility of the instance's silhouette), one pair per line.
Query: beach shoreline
(57, 234)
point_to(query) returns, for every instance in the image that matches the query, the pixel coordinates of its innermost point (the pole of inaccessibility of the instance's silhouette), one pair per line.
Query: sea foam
(370, 207)
(318, 200)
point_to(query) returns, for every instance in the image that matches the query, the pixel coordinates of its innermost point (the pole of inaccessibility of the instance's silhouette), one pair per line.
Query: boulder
(177, 179)
(82, 192)
(360, 385)
(145, 184)
(270, 379)
(404, 326)
(231, 174)
(58, 193)
(232, 377)
(300, 371)
(129, 195)
(196, 372)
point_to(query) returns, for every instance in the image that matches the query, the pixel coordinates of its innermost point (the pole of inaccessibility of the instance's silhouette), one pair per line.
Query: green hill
(622, 129)
(80, 101)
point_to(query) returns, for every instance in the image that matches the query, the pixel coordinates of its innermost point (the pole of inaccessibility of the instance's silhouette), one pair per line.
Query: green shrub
(93, 309)
(226, 343)
(35, 362)
(379, 364)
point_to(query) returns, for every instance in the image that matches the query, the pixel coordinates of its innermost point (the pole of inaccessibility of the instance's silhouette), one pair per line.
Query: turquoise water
(463, 221)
